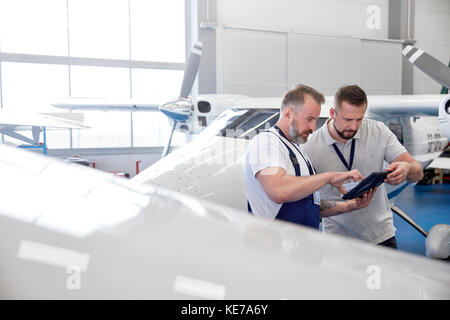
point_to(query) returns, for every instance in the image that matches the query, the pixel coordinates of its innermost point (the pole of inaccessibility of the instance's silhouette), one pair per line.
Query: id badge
(316, 196)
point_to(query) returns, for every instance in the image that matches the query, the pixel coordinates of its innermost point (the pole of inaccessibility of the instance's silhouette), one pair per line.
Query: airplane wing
(383, 107)
(413, 105)
(435, 69)
(12, 120)
(103, 104)
(71, 232)
(178, 110)
(440, 163)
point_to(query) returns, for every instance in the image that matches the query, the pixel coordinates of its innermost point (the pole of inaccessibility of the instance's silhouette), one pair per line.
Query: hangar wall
(328, 19)
(325, 17)
(263, 50)
(432, 32)
(113, 159)
(262, 63)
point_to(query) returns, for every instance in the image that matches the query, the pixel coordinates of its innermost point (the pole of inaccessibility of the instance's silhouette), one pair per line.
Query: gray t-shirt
(374, 144)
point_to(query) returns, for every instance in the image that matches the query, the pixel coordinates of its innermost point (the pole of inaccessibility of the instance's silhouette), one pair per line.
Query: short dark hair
(352, 94)
(296, 96)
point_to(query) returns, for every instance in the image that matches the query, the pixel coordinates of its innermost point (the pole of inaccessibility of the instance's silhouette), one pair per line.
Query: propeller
(435, 69)
(179, 110)
(440, 73)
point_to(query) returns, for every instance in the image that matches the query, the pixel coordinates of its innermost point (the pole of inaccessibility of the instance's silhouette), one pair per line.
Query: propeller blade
(191, 70)
(167, 147)
(180, 109)
(434, 68)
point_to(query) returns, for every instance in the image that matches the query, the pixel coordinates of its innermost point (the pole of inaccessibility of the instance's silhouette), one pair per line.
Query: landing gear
(432, 176)
(428, 175)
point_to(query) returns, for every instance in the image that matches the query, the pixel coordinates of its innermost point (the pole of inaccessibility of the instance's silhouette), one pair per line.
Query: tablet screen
(372, 181)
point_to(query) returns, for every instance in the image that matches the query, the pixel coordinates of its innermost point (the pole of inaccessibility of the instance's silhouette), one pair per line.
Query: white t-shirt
(266, 150)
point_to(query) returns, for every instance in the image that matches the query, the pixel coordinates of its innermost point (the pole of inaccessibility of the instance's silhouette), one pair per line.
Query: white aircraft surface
(71, 232)
(210, 167)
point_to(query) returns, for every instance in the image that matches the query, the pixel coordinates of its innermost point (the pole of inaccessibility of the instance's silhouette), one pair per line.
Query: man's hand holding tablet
(362, 201)
(359, 202)
(365, 186)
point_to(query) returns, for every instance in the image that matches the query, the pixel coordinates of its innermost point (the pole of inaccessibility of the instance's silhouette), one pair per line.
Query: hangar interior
(115, 58)
(139, 49)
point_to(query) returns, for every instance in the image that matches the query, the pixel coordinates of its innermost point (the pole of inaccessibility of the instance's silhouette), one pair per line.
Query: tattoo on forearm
(326, 205)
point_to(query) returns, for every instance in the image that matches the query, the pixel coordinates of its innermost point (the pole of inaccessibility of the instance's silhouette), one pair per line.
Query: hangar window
(33, 26)
(157, 30)
(27, 87)
(120, 49)
(104, 20)
(152, 128)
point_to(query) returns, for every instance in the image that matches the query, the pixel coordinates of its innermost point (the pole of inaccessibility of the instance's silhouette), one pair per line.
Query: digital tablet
(372, 181)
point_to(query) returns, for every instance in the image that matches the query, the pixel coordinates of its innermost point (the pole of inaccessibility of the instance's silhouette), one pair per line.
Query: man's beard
(294, 135)
(341, 133)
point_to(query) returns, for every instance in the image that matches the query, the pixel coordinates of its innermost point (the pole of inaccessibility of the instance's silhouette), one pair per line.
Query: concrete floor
(427, 205)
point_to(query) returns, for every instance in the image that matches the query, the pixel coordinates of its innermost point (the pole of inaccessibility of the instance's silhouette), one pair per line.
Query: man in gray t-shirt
(348, 141)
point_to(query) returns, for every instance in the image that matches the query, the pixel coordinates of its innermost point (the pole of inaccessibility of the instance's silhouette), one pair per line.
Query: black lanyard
(310, 167)
(352, 154)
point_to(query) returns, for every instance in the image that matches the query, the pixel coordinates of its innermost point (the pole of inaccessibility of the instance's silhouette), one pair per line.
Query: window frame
(104, 62)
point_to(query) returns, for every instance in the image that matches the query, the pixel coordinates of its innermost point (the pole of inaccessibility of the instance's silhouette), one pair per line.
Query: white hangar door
(263, 63)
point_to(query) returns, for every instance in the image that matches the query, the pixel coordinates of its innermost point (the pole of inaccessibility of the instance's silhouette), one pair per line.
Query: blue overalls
(302, 211)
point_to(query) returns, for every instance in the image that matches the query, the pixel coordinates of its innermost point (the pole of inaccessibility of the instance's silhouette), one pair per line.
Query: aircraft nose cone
(178, 109)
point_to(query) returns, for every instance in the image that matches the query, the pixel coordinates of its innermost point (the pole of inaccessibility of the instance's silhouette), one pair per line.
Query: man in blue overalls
(280, 180)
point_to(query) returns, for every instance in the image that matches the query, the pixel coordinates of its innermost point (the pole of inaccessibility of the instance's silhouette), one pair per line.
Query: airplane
(436, 70)
(73, 232)
(178, 110)
(13, 122)
(210, 167)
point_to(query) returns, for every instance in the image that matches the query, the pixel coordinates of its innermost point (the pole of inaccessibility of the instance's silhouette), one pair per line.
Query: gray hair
(295, 97)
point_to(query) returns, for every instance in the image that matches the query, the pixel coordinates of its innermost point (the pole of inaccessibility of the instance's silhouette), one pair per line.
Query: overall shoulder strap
(292, 156)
